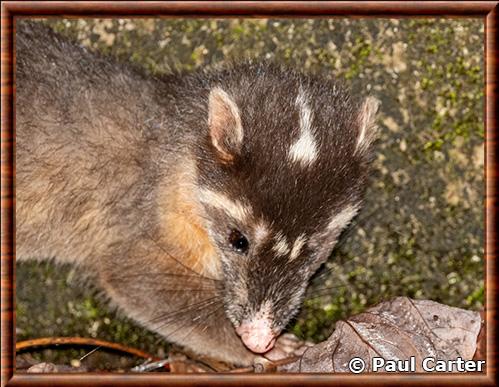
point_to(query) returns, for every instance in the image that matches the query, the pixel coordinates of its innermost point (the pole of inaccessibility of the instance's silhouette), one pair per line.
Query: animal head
(282, 168)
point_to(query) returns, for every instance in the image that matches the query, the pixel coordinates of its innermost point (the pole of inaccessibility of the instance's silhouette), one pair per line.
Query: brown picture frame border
(487, 10)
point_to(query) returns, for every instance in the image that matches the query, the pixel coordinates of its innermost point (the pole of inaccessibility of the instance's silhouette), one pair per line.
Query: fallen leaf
(395, 330)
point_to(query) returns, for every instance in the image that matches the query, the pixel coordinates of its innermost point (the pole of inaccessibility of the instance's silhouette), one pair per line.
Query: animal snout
(257, 335)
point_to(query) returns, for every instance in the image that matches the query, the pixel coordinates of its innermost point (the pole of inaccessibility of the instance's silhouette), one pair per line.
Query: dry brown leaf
(395, 330)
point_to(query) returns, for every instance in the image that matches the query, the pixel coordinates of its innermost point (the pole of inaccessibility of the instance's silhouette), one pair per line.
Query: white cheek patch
(281, 247)
(233, 208)
(304, 150)
(343, 218)
(297, 246)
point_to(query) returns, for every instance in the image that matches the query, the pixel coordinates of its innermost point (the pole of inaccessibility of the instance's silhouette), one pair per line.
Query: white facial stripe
(297, 246)
(261, 233)
(234, 208)
(341, 220)
(304, 150)
(281, 247)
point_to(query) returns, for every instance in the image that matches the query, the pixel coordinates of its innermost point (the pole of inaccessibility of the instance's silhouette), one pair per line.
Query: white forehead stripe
(281, 247)
(234, 208)
(305, 112)
(341, 219)
(297, 246)
(304, 150)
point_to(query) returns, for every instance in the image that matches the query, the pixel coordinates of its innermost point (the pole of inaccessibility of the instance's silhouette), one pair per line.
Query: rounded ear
(367, 124)
(224, 122)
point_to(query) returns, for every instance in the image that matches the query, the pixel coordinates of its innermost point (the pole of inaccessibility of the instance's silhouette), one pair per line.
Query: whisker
(326, 288)
(169, 282)
(318, 296)
(164, 274)
(173, 313)
(221, 307)
(182, 321)
(197, 322)
(195, 307)
(180, 289)
(175, 259)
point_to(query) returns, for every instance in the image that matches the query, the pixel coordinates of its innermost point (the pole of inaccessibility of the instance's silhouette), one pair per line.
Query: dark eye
(238, 241)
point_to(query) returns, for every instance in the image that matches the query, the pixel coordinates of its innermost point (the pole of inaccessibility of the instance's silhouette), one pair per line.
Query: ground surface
(420, 233)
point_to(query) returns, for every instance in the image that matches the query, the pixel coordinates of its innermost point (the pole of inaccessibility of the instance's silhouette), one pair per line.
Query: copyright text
(428, 364)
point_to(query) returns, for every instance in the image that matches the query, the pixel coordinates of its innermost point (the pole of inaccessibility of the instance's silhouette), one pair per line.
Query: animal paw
(287, 346)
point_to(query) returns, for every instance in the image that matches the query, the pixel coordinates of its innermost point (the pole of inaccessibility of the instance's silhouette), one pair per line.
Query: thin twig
(28, 345)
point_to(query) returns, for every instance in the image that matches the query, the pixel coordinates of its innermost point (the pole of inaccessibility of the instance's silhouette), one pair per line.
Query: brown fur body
(91, 179)
(108, 166)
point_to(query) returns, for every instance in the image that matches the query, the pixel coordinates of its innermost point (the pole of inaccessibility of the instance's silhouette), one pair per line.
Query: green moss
(477, 298)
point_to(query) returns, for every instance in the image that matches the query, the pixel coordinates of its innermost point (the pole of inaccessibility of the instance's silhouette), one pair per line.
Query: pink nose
(257, 335)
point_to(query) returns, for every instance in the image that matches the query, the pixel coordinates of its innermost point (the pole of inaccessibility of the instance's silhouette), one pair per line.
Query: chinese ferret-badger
(201, 203)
